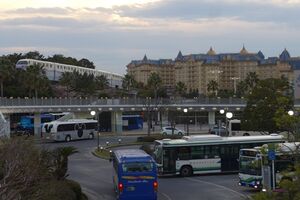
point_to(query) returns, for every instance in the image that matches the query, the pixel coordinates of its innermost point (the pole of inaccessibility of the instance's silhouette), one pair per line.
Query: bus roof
(132, 155)
(72, 121)
(215, 139)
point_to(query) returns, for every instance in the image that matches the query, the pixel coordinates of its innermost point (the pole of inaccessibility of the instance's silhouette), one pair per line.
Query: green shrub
(75, 187)
(58, 190)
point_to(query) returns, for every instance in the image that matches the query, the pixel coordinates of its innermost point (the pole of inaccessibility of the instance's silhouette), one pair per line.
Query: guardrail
(120, 101)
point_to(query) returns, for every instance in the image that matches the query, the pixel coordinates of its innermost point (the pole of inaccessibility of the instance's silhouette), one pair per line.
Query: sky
(111, 33)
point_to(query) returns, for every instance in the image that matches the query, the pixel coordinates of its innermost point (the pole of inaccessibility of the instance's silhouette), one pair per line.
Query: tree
(251, 80)
(67, 80)
(101, 82)
(5, 73)
(61, 156)
(36, 79)
(154, 83)
(266, 99)
(34, 55)
(180, 88)
(21, 168)
(213, 87)
(86, 63)
(129, 82)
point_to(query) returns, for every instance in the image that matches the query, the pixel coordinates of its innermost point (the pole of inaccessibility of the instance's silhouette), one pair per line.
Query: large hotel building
(227, 69)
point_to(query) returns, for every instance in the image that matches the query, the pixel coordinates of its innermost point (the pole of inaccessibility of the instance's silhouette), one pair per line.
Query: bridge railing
(116, 101)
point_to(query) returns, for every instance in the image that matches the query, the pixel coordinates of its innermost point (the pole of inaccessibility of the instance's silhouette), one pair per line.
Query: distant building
(227, 69)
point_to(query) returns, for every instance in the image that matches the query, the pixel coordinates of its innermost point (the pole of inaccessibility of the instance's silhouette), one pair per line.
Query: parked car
(168, 130)
(222, 131)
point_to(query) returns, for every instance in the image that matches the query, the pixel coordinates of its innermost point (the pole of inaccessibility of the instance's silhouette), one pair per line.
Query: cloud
(112, 37)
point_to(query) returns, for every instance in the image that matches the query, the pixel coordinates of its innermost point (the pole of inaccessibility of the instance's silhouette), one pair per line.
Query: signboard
(271, 155)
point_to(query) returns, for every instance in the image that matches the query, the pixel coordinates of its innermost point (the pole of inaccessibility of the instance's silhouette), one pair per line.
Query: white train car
(55, 70)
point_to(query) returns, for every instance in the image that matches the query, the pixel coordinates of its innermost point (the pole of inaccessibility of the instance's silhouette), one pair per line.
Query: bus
(72, 129)
(251, 161)
(202, 154)
(235, 129)
(26, 124)
(134, 175)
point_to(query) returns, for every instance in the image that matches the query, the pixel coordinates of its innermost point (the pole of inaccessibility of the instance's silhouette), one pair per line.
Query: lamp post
(185, 110)
(229, 115)
(222, 111)
(93, 113)
(234, 83)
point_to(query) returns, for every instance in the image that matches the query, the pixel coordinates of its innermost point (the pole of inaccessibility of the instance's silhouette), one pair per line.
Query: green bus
(202, 154)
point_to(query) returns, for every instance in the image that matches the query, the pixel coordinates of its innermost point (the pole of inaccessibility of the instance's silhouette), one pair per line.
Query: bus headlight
(257, 182)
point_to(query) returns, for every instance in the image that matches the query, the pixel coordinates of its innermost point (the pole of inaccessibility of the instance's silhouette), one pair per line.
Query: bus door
(229, 156)
(169, 160)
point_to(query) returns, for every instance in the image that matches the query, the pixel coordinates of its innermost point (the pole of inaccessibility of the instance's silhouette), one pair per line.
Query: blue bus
(134, 175)
(131, 122)
(26, 124)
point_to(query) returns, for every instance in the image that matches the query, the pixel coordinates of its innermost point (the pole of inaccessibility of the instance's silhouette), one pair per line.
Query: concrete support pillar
(37, 124)
(4, 125)
(116, 122)
(211, 118)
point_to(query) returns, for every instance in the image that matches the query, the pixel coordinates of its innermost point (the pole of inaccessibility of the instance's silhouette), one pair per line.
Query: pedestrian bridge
(33, 105)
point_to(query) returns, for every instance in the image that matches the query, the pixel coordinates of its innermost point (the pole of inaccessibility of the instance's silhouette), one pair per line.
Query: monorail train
(54, 71)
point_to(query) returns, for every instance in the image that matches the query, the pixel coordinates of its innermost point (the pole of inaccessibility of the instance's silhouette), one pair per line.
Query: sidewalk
(193, 130)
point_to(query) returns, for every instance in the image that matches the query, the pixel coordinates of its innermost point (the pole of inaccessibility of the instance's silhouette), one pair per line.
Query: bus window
(137, 167)
(183, 153)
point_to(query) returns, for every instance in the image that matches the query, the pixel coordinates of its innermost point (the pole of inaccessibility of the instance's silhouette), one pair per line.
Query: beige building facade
(197, 70)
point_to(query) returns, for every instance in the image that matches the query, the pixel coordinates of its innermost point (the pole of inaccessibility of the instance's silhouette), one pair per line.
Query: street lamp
(234, 83)
(291, 112)
(222, 111)
(185, 110)
(93, 113)
(229, 115)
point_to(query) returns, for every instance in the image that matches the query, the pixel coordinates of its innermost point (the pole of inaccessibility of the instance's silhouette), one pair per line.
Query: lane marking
(165, 195)
(219, 186)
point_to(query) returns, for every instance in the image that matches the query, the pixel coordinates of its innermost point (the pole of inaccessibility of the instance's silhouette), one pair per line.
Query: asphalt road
(95, 176)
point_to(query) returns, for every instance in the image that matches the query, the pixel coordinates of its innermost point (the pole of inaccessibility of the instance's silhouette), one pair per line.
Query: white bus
(251, 161)
(234, 129)
(73, 129)
(199, 154)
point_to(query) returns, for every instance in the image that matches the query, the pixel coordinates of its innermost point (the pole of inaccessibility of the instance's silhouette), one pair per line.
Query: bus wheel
(68, 138)
(91, 136)
(246, 134)
(186, 171)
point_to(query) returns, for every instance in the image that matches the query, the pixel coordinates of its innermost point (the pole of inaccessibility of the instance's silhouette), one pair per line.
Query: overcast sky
(111, 33)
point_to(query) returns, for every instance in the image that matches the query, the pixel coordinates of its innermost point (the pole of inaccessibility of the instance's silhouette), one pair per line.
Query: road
(95, 176)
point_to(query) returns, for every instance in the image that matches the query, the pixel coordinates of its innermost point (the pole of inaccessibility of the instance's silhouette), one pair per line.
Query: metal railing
(4, 102)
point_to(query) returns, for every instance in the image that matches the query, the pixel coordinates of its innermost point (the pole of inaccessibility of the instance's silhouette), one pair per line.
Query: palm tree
(129, 82)
(213, 87)
(180, 88)
(5, 72)
(35, 78)
(251, 80)
(61, 156)
(67, 80)
(154, 83)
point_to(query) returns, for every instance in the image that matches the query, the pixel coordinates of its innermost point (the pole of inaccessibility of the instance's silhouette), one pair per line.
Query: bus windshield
(157, 154)
(137, 167)
(250, 166)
